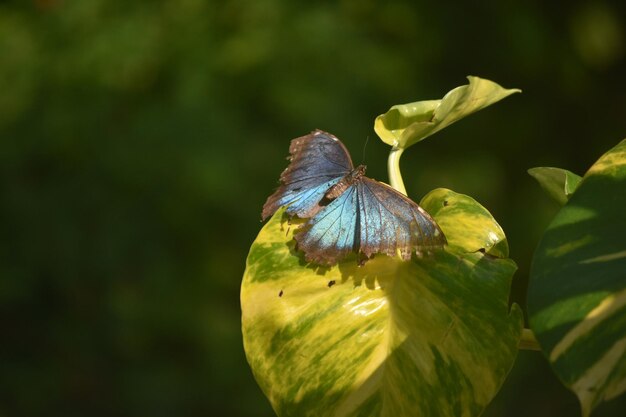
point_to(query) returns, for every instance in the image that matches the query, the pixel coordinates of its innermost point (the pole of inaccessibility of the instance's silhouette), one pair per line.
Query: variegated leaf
(406, 124)
(577, 293)
(433, 336)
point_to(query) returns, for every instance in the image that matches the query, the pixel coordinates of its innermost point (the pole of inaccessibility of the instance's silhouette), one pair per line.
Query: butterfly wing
(369, 217)
(391, 223)
(318, 161)
(332, 233)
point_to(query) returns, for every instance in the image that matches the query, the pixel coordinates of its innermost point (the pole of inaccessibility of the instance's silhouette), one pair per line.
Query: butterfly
(347, 212)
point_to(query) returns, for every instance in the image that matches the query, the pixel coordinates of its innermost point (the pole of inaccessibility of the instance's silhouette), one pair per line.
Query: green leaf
(471, 226)
(559, 183)
(577, 292)
(406, 124)
(431, 336)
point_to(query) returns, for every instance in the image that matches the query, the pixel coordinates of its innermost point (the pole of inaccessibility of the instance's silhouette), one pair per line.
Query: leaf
(431, 336)
(406, 124)
(559, 183)
(472, 226)
(577, 291)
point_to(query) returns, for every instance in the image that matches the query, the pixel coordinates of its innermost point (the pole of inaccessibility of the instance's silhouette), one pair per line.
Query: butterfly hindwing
(369, 217)
(331, 234)
(318, 161)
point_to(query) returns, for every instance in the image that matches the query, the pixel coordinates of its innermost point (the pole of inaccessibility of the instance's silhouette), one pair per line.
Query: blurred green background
(141, 138)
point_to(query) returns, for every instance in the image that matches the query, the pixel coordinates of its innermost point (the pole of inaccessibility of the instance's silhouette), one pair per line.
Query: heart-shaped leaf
(431, 336)
(406, 124)
(577, 292)
(559, 183)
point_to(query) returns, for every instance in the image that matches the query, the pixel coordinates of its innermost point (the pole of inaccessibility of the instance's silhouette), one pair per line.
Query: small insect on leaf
(331, 283)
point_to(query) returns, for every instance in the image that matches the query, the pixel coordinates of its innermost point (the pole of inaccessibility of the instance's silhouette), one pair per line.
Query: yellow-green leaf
(559, 183)
(431, 336)
(406, 124)
(472, 228)
(577, 292)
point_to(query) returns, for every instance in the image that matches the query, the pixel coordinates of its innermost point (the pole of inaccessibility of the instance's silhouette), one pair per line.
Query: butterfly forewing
(318, 161)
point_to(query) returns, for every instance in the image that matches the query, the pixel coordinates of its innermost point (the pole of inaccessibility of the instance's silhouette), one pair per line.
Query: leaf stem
(528, 341)
(393, 168)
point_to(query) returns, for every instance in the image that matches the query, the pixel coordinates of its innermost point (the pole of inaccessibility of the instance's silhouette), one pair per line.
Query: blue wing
(331, 234)
(318, 161)
(391, 223)
(368, 218)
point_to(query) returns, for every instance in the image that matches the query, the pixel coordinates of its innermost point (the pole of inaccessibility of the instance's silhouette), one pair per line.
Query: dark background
(139, 140)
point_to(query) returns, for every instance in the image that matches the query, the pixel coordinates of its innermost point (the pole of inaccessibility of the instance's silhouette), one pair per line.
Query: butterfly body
(347, 212)
(347, 181)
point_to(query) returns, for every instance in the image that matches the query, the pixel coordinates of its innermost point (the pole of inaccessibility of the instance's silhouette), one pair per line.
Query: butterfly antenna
(364, 147)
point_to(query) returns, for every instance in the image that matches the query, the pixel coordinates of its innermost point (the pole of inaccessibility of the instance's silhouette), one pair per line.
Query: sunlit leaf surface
(559, 183)
(577, 293)
(406, 124)
(429, 337)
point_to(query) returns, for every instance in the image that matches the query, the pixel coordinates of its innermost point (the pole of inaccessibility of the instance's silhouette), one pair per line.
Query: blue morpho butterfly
(346, 211)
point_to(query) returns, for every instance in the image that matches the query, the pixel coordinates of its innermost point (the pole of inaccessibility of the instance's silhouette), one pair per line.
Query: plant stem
(393, 168)
(528, 341)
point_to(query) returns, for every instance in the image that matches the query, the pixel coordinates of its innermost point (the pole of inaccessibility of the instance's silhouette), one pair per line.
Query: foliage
(140, 140)
(392, 338)
(577, 290)
(559, 183)
(406, 124)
